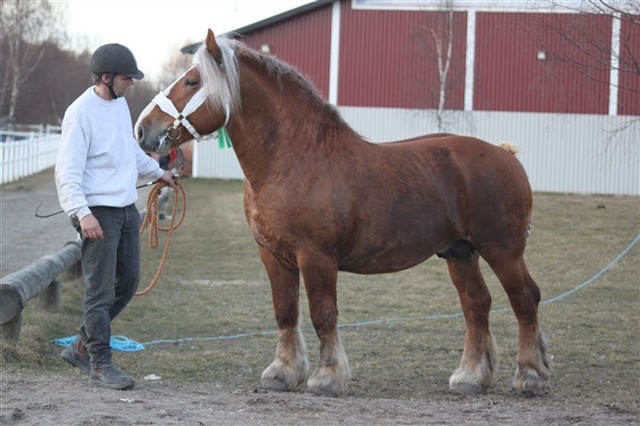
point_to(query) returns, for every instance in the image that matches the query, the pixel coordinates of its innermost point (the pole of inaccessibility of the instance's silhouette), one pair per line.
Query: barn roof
(238, 32)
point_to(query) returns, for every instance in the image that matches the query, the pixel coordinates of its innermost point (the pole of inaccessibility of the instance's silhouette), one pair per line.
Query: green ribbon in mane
(224, 141)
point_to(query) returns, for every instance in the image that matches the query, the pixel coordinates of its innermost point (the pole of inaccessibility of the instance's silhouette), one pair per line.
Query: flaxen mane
(213, 76)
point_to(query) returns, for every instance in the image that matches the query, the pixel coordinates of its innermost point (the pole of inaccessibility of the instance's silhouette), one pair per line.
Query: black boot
(108, 376)
(76, 355)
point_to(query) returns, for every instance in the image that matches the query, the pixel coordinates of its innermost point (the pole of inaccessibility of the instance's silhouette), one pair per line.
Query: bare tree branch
(624, 60)
(443, 58)
(25, 27)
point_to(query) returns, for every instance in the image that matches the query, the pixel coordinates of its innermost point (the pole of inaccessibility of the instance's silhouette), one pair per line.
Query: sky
(155, 29)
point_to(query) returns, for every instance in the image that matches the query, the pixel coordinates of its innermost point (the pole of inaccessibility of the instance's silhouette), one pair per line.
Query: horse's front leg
(320, 275)
(290, 366)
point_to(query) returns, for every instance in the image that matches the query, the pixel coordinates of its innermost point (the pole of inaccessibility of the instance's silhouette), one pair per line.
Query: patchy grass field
(213, 303)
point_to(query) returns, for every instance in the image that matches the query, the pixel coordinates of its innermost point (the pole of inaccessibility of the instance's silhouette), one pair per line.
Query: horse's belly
(399, 238)
(385, 259)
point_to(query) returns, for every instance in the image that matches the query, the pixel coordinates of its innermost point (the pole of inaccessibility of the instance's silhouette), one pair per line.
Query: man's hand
(91, 227)
(167, 177)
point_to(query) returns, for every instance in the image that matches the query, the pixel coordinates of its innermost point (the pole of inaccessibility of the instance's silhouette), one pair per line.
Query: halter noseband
(174, 132)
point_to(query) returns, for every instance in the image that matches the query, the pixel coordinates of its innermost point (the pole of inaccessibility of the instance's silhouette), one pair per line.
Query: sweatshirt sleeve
(69, 170)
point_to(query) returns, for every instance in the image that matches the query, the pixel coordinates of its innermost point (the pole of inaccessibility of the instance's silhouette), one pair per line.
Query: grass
(214, 285)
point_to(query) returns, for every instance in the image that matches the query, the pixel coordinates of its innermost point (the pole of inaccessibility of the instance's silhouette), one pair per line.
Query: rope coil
(151, 222)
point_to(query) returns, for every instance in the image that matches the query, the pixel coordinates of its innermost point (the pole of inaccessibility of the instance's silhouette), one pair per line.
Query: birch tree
(434, 44)
(444, 46)
(25, 27)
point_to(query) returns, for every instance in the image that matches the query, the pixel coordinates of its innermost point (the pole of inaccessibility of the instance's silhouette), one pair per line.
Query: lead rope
(151, 221)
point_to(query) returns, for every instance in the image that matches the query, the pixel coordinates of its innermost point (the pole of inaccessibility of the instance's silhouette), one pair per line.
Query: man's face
(121, 83)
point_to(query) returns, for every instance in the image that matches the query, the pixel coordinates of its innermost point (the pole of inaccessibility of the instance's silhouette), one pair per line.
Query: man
(96, 172)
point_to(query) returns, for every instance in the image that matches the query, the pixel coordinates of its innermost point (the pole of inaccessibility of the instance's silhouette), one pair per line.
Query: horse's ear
(213, 48)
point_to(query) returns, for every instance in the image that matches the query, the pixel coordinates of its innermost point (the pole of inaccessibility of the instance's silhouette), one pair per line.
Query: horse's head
(195, 105)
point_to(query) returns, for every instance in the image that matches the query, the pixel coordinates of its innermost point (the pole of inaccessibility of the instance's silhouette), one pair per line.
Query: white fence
(585, 154)
(25, 153)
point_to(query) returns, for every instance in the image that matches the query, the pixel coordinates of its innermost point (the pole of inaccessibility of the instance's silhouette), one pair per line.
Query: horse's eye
(191, 83)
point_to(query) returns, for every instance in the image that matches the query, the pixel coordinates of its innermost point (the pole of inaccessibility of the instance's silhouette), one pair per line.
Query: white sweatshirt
(99, 161)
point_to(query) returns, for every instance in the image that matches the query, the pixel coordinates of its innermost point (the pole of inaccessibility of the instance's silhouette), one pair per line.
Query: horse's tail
(509, 147)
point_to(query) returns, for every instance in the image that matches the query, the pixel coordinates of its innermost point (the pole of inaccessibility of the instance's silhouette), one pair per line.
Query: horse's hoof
(466, 389)
(529, 384)
(325, 386)
(274, 385)
(328, 391)
(528, 394)
(539, 389)
(320, 391)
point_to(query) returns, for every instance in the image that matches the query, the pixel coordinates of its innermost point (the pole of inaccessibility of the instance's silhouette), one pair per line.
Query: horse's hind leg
(532, 373)
(478, 365)
(290, 366)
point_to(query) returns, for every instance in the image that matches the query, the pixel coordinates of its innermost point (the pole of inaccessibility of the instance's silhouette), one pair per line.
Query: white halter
(167, 106)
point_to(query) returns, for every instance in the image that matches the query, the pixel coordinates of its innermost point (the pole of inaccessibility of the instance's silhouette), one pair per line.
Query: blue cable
(118, 343)
(596, 276)
(124, 344)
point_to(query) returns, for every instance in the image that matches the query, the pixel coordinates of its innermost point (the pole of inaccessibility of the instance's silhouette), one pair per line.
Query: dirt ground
(65, 400)
(45, 398)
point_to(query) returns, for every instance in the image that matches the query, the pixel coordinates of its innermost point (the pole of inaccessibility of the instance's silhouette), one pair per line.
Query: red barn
(551, 80)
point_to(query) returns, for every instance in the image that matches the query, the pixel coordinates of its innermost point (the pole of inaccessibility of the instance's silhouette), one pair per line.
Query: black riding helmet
(115, 59)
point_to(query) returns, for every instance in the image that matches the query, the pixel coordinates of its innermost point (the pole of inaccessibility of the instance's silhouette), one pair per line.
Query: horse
(319, 199)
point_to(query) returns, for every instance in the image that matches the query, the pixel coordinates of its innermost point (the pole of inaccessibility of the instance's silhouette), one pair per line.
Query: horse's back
(476, 160)
(440, 153)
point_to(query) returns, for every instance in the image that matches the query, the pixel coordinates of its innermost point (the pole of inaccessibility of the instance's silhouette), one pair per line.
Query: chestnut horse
(319, 199)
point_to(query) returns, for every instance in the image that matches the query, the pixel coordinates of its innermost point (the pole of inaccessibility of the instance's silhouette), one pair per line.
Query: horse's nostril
(140, 133)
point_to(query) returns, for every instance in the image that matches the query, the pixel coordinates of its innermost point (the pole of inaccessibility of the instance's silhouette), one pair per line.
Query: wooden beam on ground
(19, 287)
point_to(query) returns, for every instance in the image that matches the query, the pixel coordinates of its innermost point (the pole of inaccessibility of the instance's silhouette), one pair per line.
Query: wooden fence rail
(37, 279)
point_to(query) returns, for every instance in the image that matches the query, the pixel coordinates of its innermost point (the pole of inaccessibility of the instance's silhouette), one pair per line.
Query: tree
(621, 55)
(25, 27)
(39, 79)
(60, 77)
(444, 47)
(177, 64)
(435, 82)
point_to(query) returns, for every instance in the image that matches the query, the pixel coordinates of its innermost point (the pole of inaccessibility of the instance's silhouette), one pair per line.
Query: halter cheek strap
(167, 106)
(194, 103)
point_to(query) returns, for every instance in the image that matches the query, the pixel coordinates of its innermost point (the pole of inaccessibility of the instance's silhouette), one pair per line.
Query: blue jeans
(111, 269)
